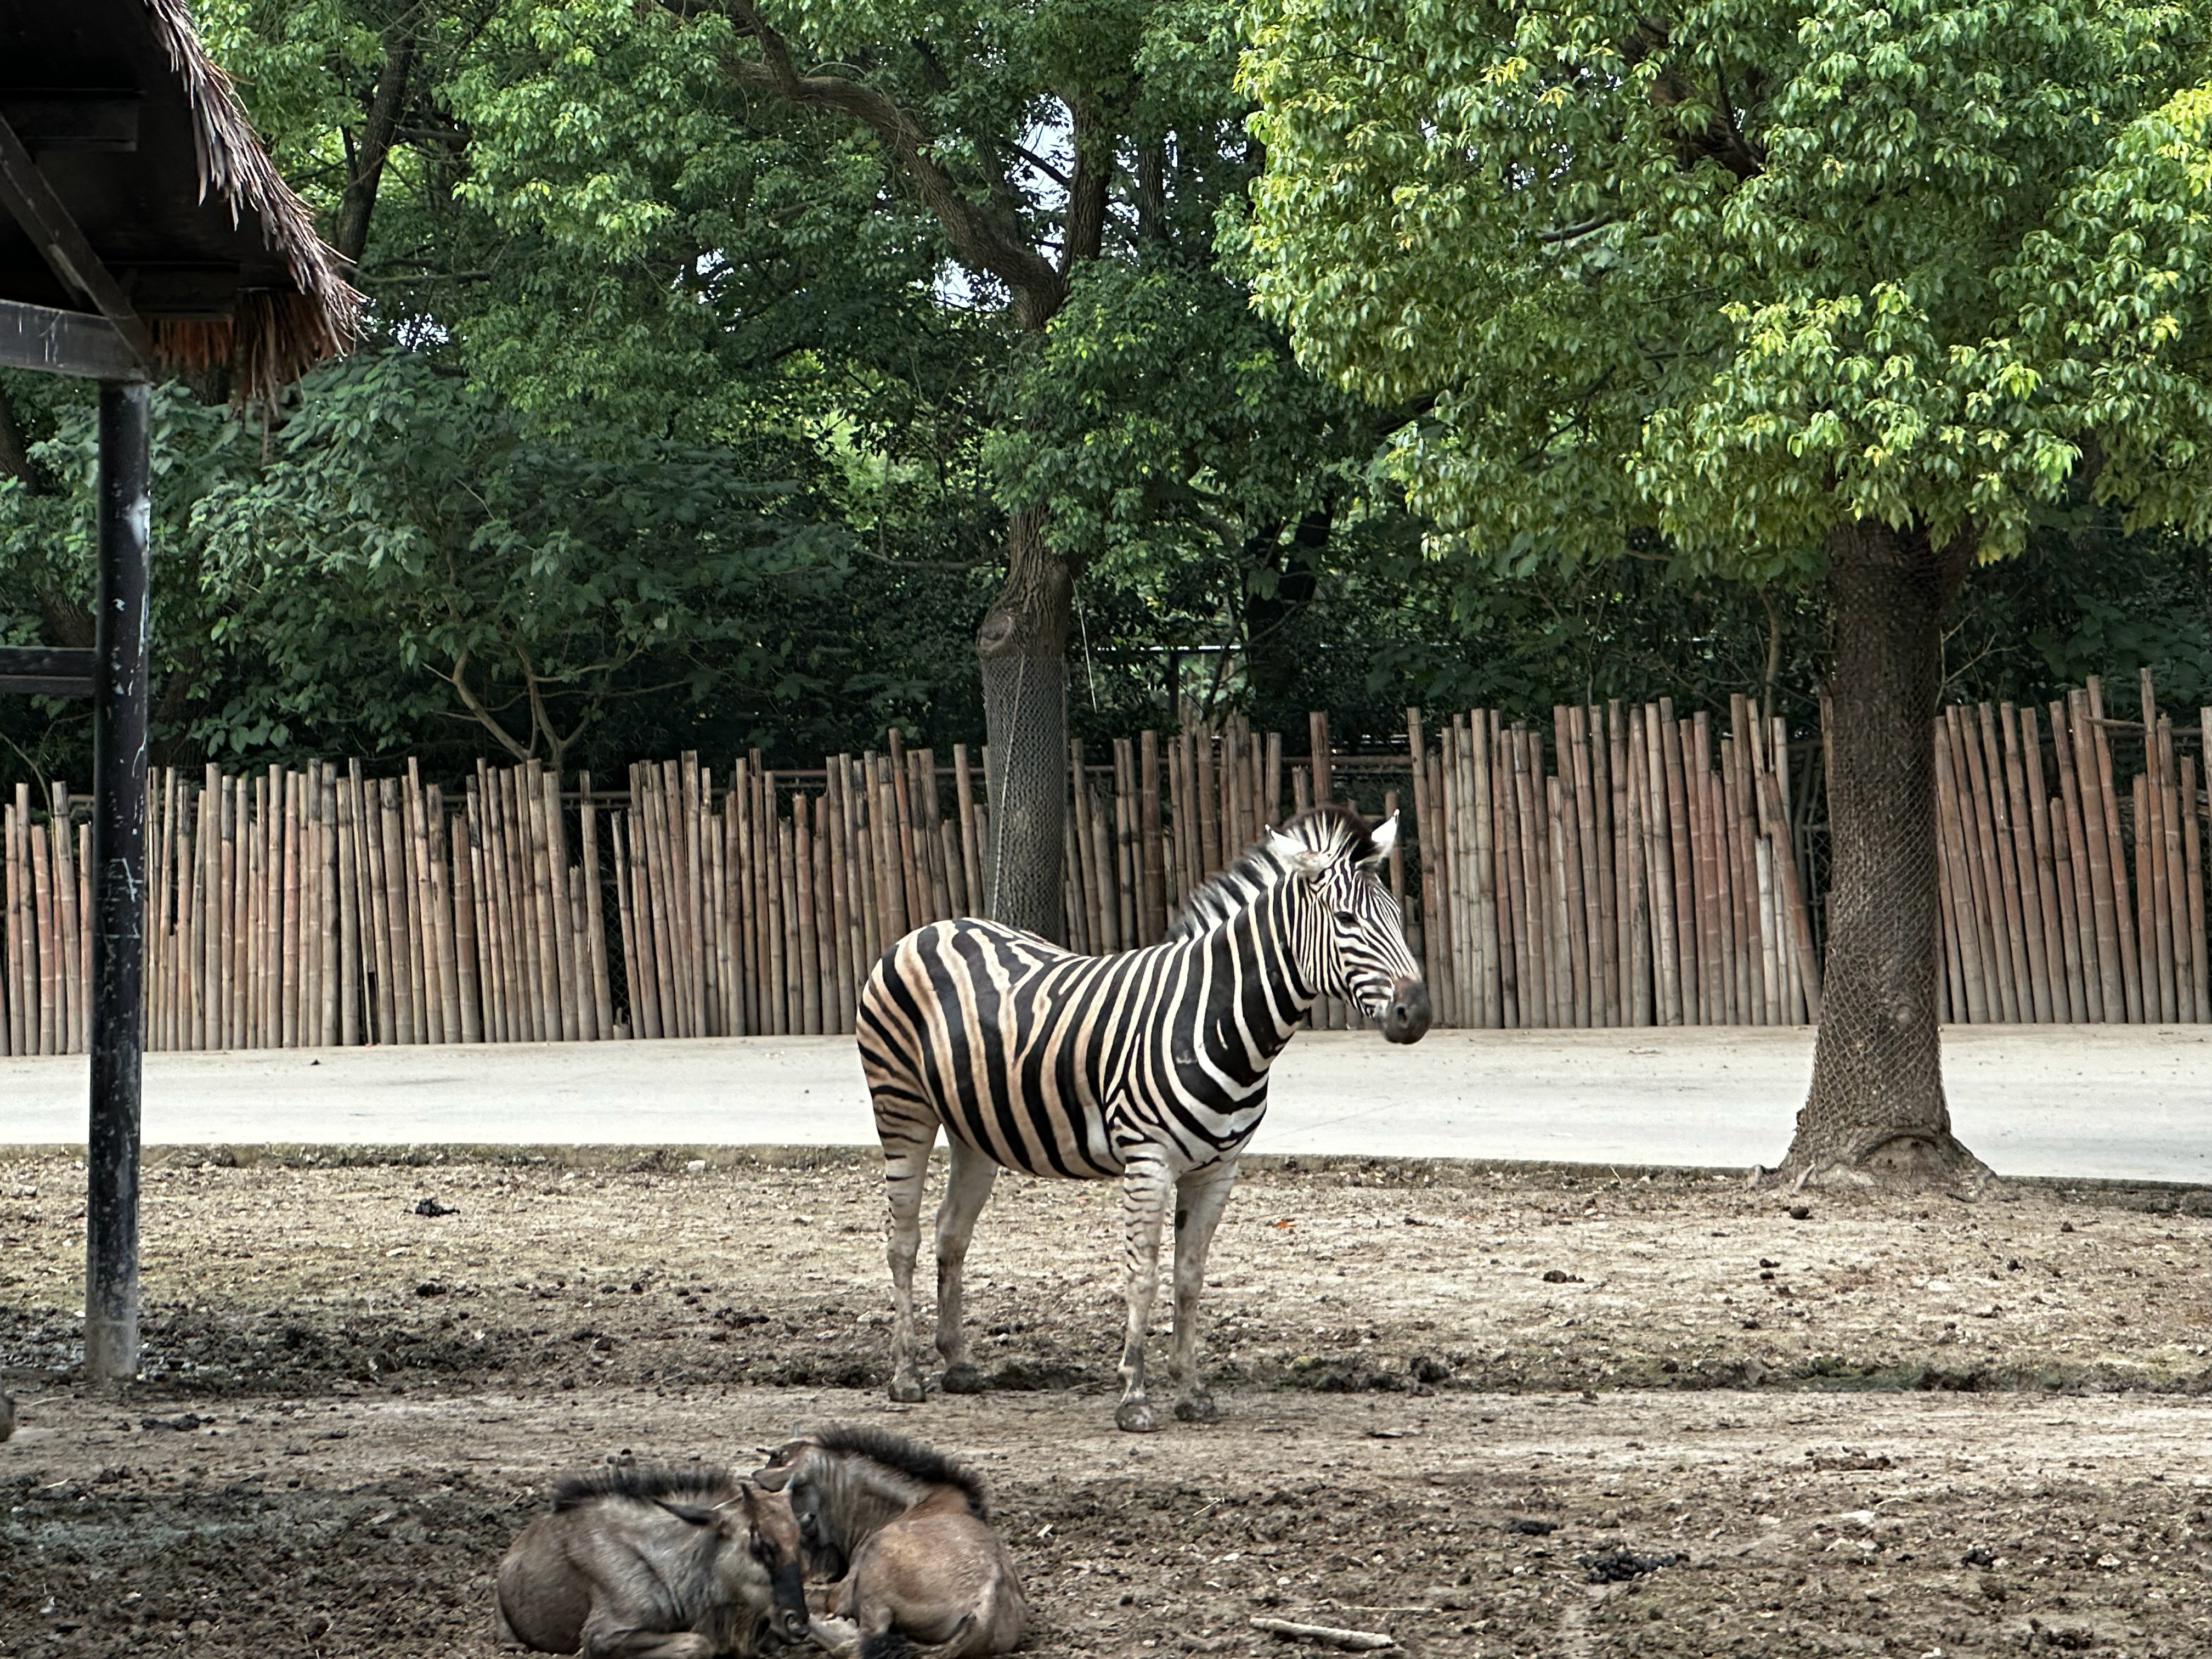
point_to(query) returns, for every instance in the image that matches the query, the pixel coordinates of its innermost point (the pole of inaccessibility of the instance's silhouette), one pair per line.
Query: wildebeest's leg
(969, 1186)
(905, 1160)
(1146, 1190)
(609, 1637)
(1201, 1196)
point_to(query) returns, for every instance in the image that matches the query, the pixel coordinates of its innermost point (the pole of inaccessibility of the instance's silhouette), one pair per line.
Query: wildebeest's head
(791, 1470)
(760, 1563)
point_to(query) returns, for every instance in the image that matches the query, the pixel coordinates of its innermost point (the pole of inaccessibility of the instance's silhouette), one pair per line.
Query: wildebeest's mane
(909, 1457)
(1332, 827)
(651, 1485)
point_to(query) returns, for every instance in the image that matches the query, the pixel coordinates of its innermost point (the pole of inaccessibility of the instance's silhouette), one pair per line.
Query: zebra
(1149, 1067)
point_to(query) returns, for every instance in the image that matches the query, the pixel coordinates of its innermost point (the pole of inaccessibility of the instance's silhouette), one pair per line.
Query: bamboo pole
(2182, 921)
(53, 1024)
(1684, 890)
(2102, 914)
(1416, 747)
(809, 941)
(1973, 1004)
(2145, 919)
(386, 999)
(2025, 897)
(644, 1016)
(603, 995)
(836, 836)
(1647, 999)
(1529, 907)
(1455, 892)
(2193, 889)
(971, 861)
(2131, 966)
(1604, 941)
(460, 875)
(1489, 944)
(1437, 885)
(2008, 964)
(2150, 827)
(1572, 891)
(2062, 946)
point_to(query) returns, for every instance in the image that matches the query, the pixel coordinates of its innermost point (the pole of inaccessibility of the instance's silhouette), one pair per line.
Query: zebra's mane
(1331, 828)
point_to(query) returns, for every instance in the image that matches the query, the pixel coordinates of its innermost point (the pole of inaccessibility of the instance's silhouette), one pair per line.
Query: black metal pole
(118, 886)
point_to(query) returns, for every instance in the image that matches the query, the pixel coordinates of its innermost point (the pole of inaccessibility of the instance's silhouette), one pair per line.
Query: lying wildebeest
(908, 1532)
(1149, 1067)
(655, 1564)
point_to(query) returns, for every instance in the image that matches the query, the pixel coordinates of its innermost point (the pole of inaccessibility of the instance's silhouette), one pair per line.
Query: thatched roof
(142, 138)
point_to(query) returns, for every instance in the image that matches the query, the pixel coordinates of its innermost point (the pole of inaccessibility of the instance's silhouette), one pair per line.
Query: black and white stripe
(1150, 1066)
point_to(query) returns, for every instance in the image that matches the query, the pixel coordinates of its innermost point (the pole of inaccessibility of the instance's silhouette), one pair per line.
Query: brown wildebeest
(908, 1531)
(655, 1564)
(6, 1415)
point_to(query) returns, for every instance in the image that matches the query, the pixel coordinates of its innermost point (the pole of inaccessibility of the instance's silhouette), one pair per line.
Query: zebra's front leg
(964, 1194)
(905, 1162)
(1147, 1191)
(1200, 1197)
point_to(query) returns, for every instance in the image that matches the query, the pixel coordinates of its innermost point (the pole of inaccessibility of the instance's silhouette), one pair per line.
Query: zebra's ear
(1385, 836)
(1297, 858)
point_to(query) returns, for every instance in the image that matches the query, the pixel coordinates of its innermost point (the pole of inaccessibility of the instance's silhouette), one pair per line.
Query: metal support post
(118, 886)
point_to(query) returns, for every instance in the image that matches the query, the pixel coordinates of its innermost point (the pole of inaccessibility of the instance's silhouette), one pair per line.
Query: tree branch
(365, 167)
(458, 680)
(985, 239)
(1086, 233)
(1571, 233)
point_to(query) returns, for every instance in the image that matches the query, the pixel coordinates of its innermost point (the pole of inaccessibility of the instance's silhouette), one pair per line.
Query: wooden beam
(46, 670)
(50, 118)
(64, 343)
(25, 192)
(154, 291)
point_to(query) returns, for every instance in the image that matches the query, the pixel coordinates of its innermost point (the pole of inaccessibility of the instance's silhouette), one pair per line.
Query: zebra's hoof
(964, 1378)
(1197, 1408)
(1136, 1416)
(906, 1390)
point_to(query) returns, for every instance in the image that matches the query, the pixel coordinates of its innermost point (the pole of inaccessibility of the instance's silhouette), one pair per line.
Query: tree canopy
(1735, 274)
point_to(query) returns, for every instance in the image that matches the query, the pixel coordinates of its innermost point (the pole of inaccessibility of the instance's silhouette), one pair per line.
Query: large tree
(1012, 154)
(1816, 288)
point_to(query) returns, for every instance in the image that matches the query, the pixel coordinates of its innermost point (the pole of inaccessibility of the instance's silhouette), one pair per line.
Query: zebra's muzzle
(1406, 1019)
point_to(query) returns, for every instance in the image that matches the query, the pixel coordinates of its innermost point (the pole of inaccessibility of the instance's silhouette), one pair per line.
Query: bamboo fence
(1625, 867)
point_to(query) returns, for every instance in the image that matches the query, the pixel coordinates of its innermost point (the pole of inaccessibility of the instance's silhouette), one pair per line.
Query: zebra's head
(1354, 943)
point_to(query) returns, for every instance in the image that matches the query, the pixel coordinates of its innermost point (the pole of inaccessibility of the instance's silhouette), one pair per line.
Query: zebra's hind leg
(1146, 1190)
(964, 1194)
(905, 1160)
(1200, 1197)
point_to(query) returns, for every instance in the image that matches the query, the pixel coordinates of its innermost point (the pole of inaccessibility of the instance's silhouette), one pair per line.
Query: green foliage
(538, 579)
(1739, 275)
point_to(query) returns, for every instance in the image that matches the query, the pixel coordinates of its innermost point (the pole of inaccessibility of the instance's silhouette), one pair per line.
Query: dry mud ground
(1905, 1426)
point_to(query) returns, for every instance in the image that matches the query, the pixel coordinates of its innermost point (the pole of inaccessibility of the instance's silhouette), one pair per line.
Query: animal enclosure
(1629, 867)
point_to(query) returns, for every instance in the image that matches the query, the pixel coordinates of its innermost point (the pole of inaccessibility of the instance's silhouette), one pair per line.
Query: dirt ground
(1455, 1398)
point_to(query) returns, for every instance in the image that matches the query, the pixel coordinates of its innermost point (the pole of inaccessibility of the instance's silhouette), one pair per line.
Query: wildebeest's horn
(697, 1515)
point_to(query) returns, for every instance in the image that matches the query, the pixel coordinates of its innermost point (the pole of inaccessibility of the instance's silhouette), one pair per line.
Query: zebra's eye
(1346, 919)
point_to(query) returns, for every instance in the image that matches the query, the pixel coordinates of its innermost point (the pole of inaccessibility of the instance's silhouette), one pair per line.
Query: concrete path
(2122, 1103)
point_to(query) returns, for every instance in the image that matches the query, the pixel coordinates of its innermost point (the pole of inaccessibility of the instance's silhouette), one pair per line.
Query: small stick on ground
(1329, 1636)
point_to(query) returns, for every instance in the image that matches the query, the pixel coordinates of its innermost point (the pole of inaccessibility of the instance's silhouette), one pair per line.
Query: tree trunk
(366, 175)
(1022, 649)
(1876, 1107)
